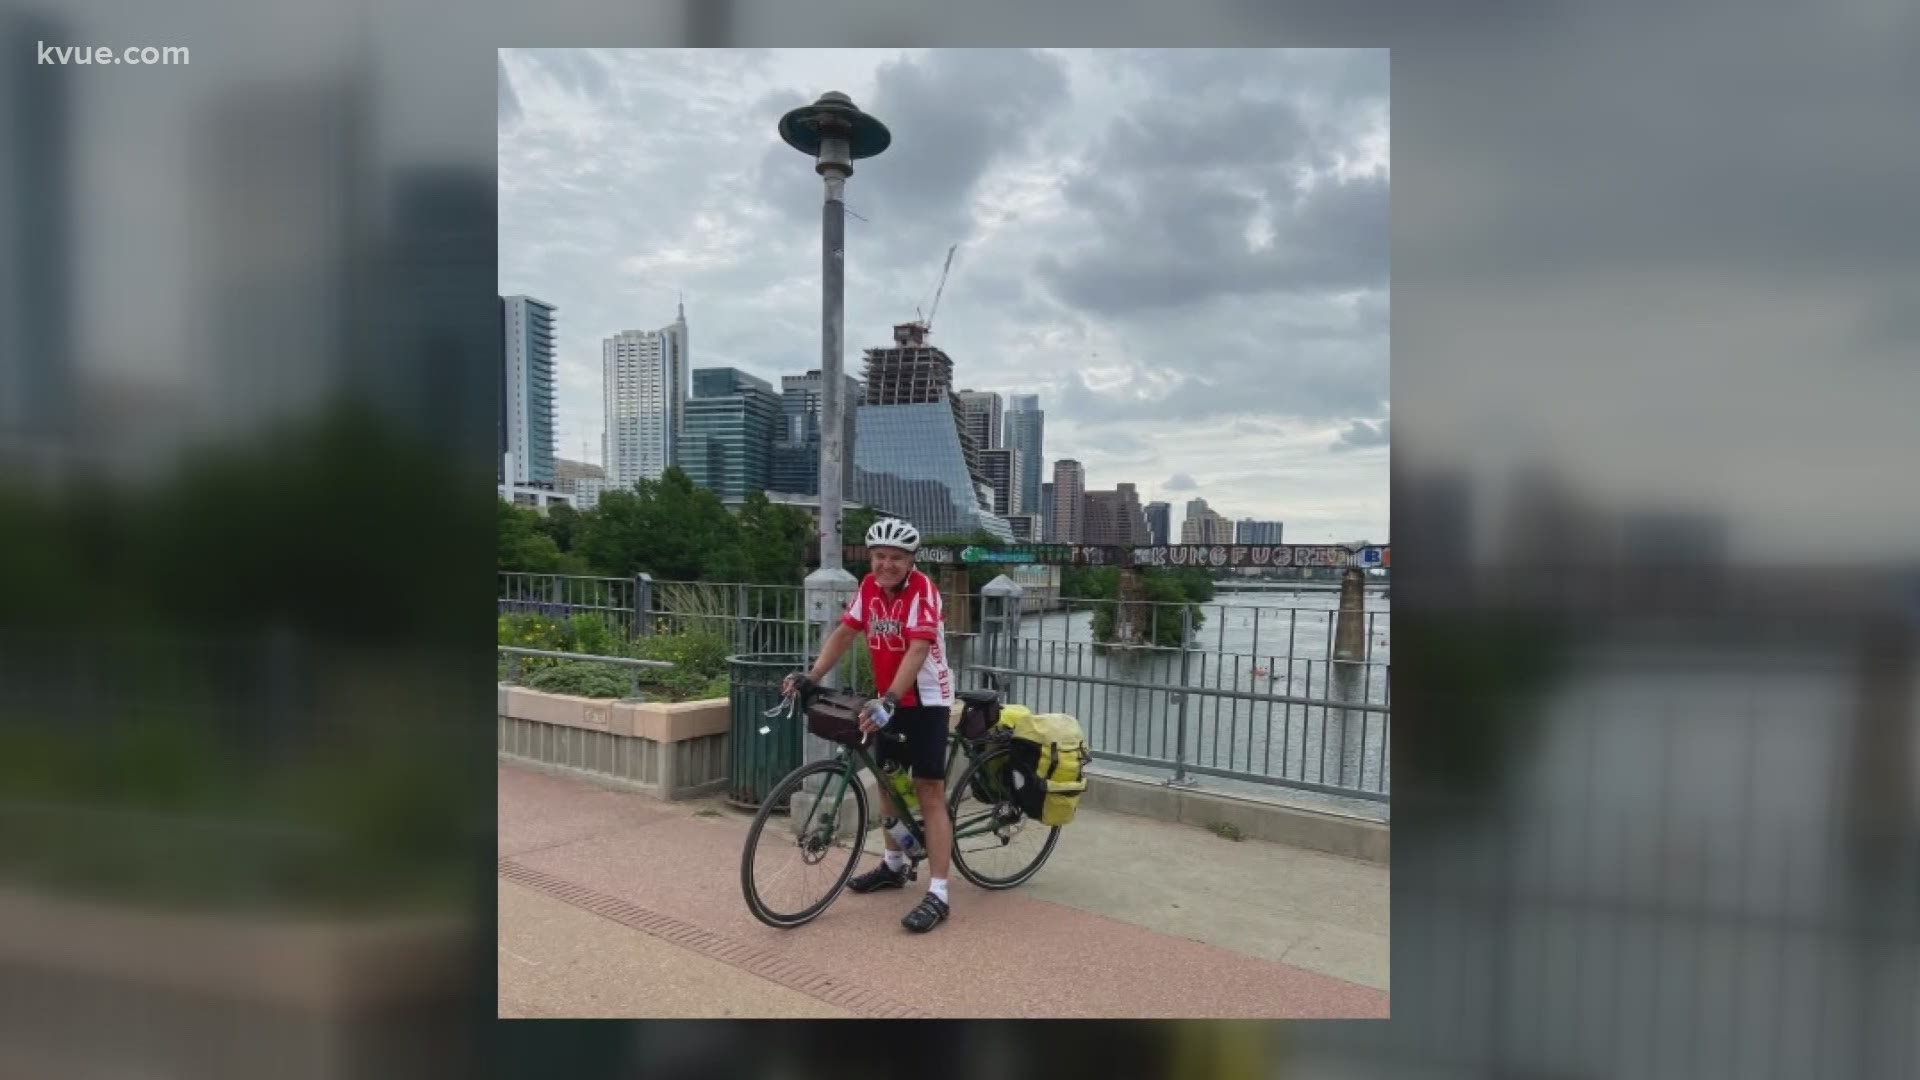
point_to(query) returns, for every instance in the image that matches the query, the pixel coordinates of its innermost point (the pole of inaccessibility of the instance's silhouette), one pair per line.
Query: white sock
(895, 860)
(938, 887)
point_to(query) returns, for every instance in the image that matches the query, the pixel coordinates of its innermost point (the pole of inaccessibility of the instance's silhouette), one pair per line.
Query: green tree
(666, 527)
(559, 525)
(1195, 583)
(1188, 585)
(522, 545)
(1089, 582)
(691, 537)
(855, 523)
(773, 541)
(613, 537)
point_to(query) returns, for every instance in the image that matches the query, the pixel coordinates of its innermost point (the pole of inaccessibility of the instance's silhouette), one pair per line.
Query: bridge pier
(1131, 619)
(1350, 633)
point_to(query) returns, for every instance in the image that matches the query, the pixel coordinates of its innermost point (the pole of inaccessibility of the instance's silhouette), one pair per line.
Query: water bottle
(903, 838)
(901, 781)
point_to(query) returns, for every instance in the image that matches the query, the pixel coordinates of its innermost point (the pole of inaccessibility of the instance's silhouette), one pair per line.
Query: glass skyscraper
(1002, 467)
(796, 447)
(981, 408)
(1159, 519)
(731, 420)
(1249, 531)
(909, 460)
(1026, 430)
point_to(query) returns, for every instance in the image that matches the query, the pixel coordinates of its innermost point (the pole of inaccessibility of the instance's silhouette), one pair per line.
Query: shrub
(694, 654)
(594, 636)
(583, 679)
(1165, 630)
(531, 631)
(699, 659)
(679, 686)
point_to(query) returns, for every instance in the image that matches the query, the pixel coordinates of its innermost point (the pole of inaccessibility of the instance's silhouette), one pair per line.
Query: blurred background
(1656, 361)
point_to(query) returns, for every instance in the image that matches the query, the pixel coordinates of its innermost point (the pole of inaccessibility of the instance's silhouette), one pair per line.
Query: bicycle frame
(821, 832)
(854, 759)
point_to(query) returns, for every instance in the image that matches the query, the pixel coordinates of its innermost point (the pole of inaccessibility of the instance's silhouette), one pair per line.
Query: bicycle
(824, 840)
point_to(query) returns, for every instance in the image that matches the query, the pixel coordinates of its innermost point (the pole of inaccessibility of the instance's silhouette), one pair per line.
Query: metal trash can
(758, 762)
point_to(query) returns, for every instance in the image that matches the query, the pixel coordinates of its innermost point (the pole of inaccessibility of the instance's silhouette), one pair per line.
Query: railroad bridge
(950, 565)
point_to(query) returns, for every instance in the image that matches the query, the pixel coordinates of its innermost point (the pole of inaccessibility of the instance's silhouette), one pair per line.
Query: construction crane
(926, 324)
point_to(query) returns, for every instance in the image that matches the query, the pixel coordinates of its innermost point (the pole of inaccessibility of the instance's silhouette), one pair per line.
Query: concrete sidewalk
(615, 904)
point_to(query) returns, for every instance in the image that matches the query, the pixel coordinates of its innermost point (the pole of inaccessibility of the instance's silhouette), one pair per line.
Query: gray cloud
(1179, 482)
(578, 71)
(1330, 240)
(1305, 380)
(1204, 194)
(1101, 202)
(509, 102)
(1362, 435)
(952, 115)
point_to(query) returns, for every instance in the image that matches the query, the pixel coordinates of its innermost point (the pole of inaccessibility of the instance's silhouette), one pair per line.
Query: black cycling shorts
(925, 751)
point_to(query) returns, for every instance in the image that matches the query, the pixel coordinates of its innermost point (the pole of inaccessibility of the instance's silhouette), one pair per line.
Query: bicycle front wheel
(995, 846)
(804, 844)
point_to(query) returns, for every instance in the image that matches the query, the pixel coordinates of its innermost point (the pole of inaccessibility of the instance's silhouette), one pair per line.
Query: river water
(1258, 643)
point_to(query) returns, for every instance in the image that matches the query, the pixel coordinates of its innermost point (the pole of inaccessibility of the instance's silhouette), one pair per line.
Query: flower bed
(699, 669)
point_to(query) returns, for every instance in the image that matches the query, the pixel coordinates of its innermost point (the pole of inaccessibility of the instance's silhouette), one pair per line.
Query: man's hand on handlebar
(796, 683)
(886, 703)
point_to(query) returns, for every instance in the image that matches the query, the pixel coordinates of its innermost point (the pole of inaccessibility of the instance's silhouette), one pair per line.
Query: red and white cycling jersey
(890, 621)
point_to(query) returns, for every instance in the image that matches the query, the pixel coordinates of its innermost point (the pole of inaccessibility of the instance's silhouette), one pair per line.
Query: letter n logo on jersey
(886, 626)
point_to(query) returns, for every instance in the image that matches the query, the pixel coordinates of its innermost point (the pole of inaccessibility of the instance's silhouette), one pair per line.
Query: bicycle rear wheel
(804, 844)
(995, 845)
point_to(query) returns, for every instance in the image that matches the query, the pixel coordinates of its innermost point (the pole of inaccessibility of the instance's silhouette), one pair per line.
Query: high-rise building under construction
(912, 431)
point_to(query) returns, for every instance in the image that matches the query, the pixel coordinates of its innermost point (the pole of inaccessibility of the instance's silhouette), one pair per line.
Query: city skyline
(773, 441)
(1141, 335)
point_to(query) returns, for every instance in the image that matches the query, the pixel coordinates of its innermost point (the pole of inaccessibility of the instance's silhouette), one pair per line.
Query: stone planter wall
(670, 751)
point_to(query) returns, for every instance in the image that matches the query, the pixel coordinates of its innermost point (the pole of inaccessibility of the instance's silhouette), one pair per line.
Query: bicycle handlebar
(790, 702)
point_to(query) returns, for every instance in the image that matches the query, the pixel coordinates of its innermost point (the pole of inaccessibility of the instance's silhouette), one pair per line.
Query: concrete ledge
(1356, 839)
(670, 723)
(657, 721)
(563, 710)
(693, 763)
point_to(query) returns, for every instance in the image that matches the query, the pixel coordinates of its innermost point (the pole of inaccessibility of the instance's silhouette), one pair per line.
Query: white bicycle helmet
(892, 532)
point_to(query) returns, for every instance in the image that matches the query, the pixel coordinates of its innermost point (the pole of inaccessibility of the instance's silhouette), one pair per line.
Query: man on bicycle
(899, 611)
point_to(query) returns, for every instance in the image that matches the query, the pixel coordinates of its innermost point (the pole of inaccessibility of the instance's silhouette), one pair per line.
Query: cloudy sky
(1184, 253)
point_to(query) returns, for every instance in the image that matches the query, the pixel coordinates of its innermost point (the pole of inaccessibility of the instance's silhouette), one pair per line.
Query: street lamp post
(835, 133)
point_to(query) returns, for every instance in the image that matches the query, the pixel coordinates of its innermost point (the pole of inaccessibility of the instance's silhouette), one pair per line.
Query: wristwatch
(892, 699)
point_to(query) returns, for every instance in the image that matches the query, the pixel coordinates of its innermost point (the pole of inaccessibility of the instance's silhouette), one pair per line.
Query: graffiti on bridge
(1314, 556)
(1331, 556)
